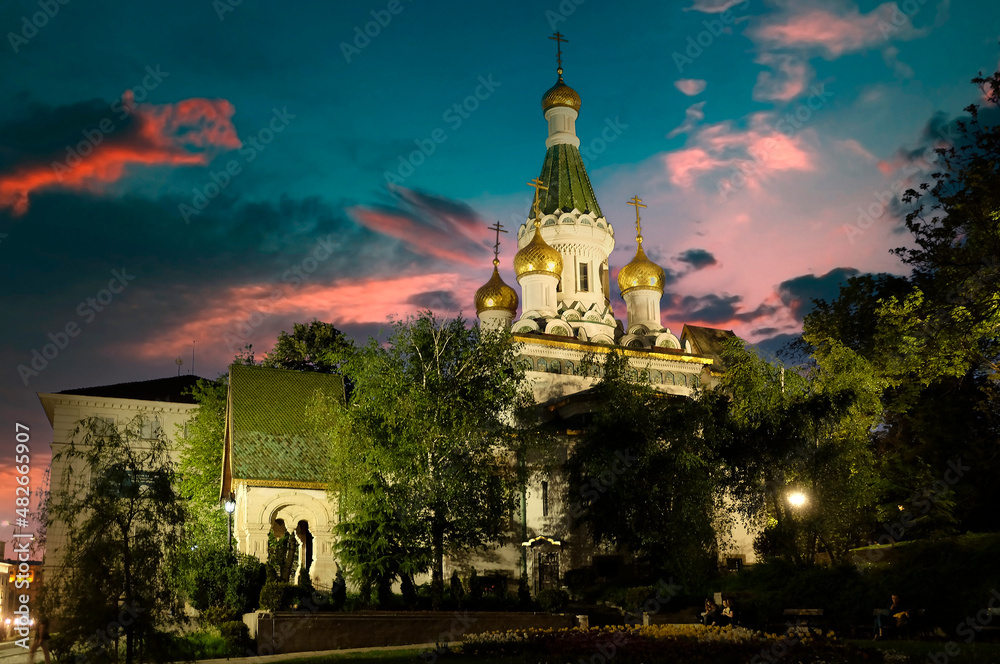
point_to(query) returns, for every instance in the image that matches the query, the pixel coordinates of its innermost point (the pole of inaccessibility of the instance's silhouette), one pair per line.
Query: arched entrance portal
(305, 516)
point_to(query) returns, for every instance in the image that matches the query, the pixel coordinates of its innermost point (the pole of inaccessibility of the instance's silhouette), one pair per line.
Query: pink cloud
(788, 78)
(808, 26)
(431, 226)
(757, 152)
(232, 317)
(691, 86)
(692, 116)
(187, 133)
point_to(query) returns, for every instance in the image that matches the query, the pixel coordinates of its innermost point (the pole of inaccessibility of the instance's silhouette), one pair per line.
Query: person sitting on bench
(894, 617)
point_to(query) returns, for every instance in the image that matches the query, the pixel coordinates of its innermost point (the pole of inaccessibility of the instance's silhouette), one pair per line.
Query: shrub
(237, 637)
(553, 599)
(277, 596)
(216, 615)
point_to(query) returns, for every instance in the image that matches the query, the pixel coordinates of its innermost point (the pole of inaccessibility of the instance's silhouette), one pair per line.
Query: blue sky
(234, 159)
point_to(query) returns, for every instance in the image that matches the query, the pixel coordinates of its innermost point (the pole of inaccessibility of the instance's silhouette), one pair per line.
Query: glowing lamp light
(797, 499)
(230, 506)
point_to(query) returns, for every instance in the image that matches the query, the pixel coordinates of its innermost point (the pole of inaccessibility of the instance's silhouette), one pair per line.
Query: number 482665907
(23, 492)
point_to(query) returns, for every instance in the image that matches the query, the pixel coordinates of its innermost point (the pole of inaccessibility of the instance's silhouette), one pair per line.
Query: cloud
(757, 152)
(713, 6)
(429, 225)
(788, 78)
(834, 28)
(711, 309)
(101, 150)
(798, 293)
(692, 116)
(691, 86)
(229, 317)
(698, 259)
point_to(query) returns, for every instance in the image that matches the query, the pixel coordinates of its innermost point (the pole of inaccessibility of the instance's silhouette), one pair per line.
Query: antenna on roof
(179, 362)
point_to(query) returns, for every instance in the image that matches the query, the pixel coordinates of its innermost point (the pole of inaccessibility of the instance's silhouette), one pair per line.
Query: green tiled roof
(269, 436)
(568, 185)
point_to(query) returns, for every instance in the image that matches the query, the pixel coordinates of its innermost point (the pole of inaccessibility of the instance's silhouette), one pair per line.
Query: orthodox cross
(560, 40)
(538, 185)
(637, 202)
(496, 247)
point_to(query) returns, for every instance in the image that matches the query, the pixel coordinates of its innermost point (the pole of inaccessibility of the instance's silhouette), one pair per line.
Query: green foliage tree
(932, 337)
(200, 464)
(422, 453)
(781, 430)
(642, 475)
(317, 346)
(221, 583)
(123, 520)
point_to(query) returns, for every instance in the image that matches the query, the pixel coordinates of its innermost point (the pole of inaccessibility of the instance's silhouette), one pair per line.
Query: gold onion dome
(537, 257)
(560, 94)
(640, 273)
(495, 294)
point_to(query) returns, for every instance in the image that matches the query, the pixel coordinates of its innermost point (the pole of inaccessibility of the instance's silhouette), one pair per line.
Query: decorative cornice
(602, 349)
(280, 484)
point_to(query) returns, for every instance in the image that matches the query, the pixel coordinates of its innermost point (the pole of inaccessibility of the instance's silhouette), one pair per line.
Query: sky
(178, 180)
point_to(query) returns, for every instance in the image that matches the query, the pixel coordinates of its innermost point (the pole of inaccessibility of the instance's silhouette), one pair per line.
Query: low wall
(295, 631)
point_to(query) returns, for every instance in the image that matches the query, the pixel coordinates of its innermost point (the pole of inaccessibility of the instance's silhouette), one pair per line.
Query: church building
(562, 268)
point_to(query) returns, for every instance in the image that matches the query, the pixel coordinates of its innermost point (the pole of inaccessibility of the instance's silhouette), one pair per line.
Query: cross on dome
(560, 40)
(637, 202)
(539, 186)
(496, 246)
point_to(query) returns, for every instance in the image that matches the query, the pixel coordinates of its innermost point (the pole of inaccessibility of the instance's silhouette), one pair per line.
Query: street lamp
(230, 507)
(797, 499)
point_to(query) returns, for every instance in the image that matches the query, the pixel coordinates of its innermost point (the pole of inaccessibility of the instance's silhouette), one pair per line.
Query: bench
(915, 623)
(805, 621)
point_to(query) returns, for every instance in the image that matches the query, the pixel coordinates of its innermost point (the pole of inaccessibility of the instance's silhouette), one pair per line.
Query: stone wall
(292, 631)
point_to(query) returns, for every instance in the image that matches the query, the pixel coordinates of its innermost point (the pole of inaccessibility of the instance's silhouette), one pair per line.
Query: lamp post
(230, 507)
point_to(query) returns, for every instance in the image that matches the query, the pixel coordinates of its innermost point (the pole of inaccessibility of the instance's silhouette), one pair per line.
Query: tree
(422, 454)
(201, 448)
(782, 430)
(123, 520)
(641, 476)
(317, 346)
(932, 337)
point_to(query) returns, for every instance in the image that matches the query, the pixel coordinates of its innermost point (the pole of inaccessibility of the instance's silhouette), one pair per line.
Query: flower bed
(677, 644)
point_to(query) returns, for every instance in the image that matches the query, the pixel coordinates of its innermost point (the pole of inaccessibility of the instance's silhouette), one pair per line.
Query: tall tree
(422, 452)
(642, 476)
(782, 431)
(122, 519)
(200, 464)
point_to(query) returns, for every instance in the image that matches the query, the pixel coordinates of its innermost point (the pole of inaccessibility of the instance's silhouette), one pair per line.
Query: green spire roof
(568, 185)
(268, 436)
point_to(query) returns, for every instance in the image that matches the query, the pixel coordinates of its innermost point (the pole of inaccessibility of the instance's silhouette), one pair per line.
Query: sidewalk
(422, 647)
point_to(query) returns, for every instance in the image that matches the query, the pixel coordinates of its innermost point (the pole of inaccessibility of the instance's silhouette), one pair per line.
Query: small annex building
(275, 469)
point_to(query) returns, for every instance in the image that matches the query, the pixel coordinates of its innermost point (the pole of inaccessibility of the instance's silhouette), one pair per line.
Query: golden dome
(560, 94)
(495, 294)
(640, 273)
(537, 257)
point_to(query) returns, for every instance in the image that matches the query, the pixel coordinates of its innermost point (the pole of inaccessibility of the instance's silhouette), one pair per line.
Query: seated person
(897, 615)
(711, 614)
(729, 612)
